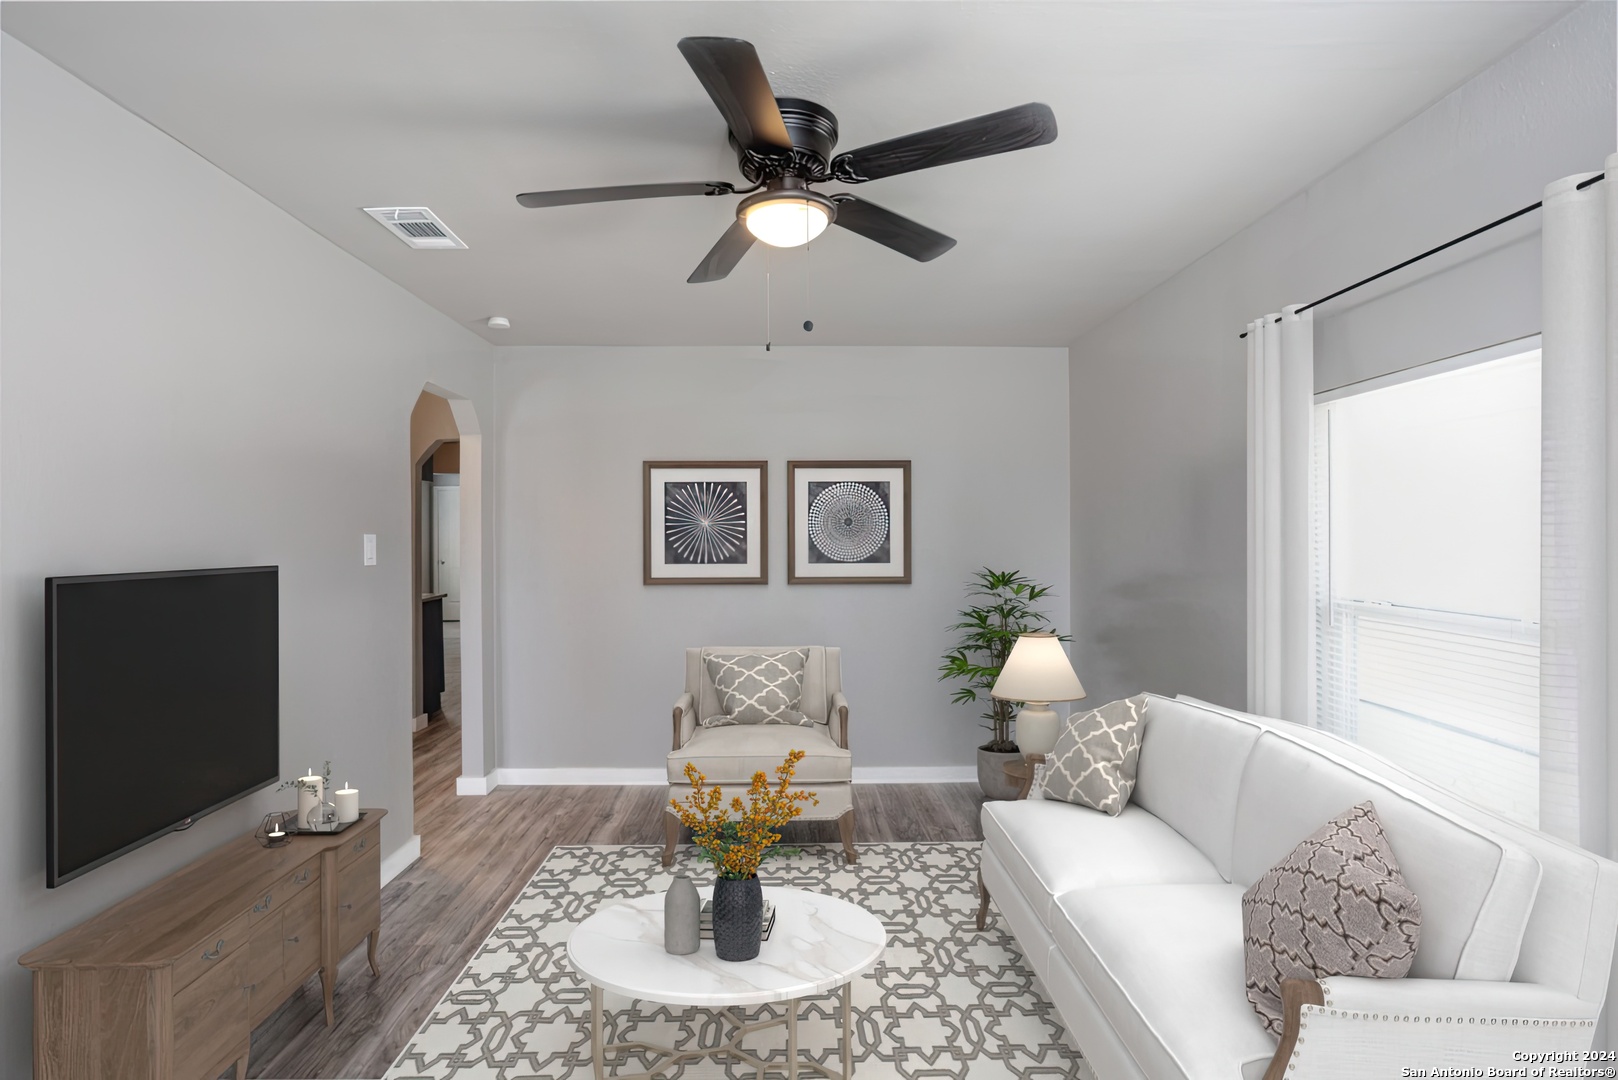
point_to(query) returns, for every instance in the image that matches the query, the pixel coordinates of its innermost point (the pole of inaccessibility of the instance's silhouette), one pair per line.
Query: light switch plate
(370, 549)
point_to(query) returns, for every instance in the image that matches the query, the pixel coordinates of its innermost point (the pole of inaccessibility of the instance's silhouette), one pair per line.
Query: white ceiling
(1180, 123)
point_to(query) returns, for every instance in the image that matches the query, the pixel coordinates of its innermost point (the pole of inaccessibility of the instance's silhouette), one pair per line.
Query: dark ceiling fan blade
(571, 196)
(995, 133)
(723, 256)
(891, 230)
(730, 71)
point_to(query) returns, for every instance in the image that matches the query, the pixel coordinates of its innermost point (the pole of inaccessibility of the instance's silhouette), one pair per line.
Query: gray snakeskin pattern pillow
(758, 688)
(1337, 905)
(1093, 762)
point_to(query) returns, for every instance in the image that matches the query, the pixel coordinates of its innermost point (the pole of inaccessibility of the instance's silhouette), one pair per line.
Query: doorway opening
(447, 714)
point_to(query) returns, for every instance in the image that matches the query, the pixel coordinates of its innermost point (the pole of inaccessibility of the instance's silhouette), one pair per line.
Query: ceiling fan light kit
(784, 144)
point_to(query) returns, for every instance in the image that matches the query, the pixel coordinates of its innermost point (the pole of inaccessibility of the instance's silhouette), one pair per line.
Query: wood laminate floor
(476, 853)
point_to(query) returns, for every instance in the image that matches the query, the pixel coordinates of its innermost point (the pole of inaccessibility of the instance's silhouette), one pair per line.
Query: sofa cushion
(731, 755)
(1337, 905)
(1093, 763)
(1191, 761)
(1164, 965)
(1052, 847)
(1476, 889)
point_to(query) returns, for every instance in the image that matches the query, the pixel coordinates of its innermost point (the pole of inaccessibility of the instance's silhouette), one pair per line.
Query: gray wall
(192, 378)
(1159, 393)
(592, 659)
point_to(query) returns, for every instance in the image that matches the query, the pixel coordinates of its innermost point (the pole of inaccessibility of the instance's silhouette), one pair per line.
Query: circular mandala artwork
(705, 523)
(848, 522)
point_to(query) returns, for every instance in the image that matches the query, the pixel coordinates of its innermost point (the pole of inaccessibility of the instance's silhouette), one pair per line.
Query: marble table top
(819, 942)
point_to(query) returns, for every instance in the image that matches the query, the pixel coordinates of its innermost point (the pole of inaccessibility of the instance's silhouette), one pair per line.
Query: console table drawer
(210, 1018)
(365, 843)
(208, 954)
(300, 933)
(359, 899)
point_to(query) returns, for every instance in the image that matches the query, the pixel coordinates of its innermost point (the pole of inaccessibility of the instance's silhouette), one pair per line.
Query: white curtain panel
(1578, 672)
(1280, 619)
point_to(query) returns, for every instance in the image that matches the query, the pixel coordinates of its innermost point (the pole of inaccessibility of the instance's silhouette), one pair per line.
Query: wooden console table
(169, 984)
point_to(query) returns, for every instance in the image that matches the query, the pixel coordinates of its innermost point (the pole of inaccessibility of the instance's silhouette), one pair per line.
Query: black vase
(738, 918)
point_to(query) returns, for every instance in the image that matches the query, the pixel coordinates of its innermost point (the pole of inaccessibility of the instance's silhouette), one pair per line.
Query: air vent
(415, 225)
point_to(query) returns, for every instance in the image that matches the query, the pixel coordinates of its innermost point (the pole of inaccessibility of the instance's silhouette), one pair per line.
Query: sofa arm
(685, 719)
(837, 718)
(1345, 1028)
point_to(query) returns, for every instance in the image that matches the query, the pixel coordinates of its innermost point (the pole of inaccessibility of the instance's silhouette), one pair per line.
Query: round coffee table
(819, 943)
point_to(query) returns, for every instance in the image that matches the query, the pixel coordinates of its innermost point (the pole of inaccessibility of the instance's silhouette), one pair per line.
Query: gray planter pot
(992, 774)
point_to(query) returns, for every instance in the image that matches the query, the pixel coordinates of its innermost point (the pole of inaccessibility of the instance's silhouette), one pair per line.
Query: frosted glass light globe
(786, 222)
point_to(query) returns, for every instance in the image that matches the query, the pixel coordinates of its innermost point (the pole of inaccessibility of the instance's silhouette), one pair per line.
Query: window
(1426, 563)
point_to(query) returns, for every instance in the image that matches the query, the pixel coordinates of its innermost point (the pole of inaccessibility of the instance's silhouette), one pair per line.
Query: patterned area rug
(947, 1000)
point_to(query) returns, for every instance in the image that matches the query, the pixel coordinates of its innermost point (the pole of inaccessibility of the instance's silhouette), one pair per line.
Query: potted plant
(737, 845)
(1003, 610)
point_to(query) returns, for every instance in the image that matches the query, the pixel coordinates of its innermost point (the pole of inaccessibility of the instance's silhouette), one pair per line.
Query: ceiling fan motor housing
(813, 130)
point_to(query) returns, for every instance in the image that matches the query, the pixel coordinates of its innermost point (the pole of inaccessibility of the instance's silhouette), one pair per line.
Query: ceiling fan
(783, 145)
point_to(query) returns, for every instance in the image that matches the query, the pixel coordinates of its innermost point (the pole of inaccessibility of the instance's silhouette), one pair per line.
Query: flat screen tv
(162, 705)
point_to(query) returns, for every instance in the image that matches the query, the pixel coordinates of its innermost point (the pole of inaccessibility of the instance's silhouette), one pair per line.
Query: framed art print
(848, 522)
(705, 522)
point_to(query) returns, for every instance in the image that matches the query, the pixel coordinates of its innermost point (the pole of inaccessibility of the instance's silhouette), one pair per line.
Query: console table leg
(325, 991)
(370, 951)
(596, 1051)
(241, 1062)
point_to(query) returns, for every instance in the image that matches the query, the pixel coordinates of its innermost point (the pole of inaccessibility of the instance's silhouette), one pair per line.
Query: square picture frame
(705, 522)
(848, 522)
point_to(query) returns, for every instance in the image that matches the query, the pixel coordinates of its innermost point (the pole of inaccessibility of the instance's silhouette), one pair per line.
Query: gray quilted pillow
(1093, 762)
(1337, 905)
(758, 688)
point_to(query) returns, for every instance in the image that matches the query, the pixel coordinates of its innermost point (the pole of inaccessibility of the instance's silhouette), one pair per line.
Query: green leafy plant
(1003, 610)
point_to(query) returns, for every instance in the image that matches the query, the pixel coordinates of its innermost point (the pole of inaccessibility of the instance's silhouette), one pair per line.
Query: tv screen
(163, 704)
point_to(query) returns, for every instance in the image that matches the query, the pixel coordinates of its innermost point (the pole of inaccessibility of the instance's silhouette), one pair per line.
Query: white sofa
(1133, 923)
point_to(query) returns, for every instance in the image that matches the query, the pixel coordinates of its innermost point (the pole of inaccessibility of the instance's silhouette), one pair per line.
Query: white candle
(311, 793)
(348, 803)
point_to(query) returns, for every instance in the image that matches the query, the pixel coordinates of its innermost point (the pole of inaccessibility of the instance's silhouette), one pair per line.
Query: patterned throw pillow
(1093, 762)
(758, 688)
(1337, 905)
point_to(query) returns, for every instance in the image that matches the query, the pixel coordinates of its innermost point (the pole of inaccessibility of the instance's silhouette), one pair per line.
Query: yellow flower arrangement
(737, 845)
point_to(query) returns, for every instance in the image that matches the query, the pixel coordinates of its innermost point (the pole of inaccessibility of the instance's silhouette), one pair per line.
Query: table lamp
(1037, 673)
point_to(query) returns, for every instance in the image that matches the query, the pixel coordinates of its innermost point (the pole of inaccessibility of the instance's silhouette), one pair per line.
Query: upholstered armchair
(729, 755)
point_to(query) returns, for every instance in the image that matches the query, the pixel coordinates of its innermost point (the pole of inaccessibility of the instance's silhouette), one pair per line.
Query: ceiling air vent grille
(415, 225)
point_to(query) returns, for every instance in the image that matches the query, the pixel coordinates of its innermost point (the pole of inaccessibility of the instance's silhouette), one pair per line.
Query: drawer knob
(263, 905)
(292, 941)
(213, 953)
(303, 877)
(346, 907)
(359, 846)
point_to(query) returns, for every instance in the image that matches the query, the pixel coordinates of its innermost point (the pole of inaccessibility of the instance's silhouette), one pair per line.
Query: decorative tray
(293, 828)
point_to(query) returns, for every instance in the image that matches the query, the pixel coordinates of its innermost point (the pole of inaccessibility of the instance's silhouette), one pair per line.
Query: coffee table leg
(792, 1039)
(596, 1052)
(848, 1056)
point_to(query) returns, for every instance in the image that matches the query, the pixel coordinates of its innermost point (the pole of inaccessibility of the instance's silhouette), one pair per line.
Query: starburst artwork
(705, 522)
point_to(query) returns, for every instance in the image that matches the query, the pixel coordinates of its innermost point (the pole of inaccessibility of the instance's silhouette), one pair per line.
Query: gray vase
(682, 911)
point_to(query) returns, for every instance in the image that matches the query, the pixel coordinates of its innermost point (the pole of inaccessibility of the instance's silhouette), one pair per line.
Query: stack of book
(705, 920)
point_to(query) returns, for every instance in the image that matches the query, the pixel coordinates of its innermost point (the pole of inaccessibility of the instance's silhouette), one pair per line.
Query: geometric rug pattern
(946, 1000)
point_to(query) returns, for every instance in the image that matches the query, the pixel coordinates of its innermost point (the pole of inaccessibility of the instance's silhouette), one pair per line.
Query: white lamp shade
(1037, 670)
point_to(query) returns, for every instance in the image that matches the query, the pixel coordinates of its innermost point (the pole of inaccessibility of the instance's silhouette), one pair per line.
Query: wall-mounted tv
(162, 705)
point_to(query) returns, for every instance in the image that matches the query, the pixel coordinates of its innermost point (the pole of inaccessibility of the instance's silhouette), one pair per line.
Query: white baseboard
(915, 774)
(418, 723)
(874, 774)
(583, 776)
(396, 863)
(477, 785)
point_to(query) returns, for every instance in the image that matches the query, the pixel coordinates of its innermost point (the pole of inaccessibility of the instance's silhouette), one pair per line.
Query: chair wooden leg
(671, 837)
(983, 902)
(845, 826)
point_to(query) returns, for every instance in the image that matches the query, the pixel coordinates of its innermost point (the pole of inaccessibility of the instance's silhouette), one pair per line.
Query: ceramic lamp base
(1036, 728)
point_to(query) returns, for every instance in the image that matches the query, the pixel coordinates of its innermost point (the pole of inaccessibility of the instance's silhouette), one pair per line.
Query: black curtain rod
(1580, 186)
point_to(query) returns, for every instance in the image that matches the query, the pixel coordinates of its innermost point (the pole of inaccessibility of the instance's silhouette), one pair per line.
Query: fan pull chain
(766, 299)
(808, 323)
